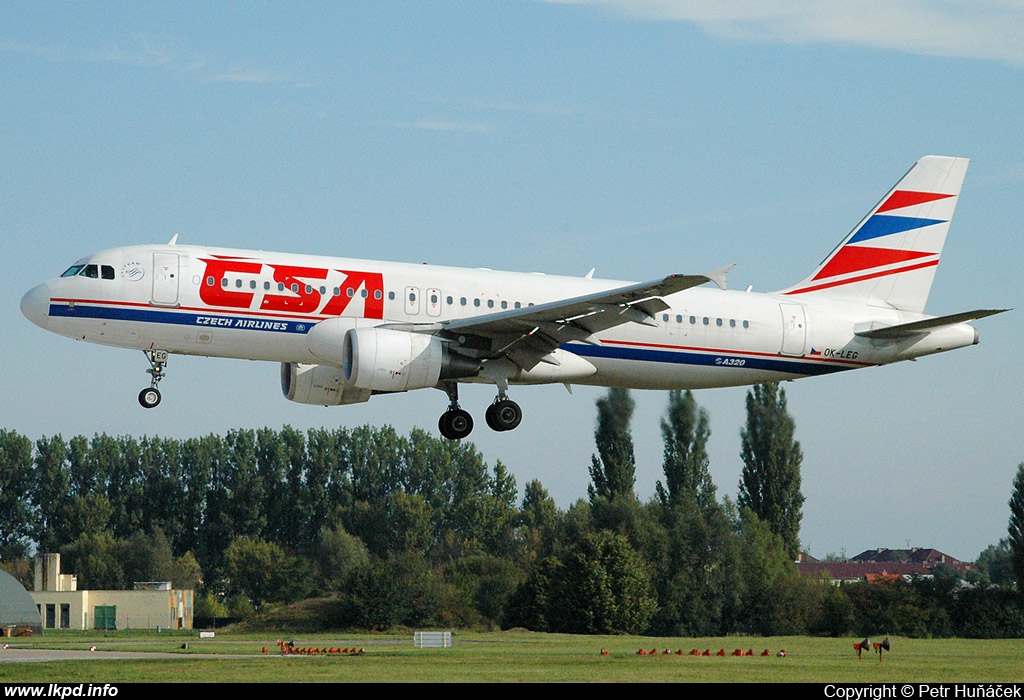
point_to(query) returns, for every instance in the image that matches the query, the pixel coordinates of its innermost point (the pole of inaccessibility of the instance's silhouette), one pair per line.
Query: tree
(97, 558)
(337, 555)
(995, 563)
(51, 490)
(538, 518)
(263, 572)
(598, 585)
(605, 588)
(1016, 528)
(770, 482)
(613, 469)
(776, 598)
(16, 486)
(700, 588)
(686, 431)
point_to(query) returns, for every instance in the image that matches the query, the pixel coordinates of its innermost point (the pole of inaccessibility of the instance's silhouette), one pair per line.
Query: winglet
(174, 240)
(718, 276)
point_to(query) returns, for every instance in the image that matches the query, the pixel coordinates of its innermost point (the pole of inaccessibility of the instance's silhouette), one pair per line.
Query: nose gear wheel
(150, 397)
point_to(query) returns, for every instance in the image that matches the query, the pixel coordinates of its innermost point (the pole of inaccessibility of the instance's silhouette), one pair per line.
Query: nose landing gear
(150, 397)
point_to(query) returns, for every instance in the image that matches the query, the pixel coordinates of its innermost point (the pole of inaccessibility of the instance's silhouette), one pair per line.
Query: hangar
(17, 609)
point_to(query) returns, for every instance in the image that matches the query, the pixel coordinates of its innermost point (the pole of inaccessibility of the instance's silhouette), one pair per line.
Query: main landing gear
(456, 423)
(149, 398)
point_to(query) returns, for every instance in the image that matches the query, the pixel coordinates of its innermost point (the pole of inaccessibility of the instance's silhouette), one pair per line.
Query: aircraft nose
(35, 305)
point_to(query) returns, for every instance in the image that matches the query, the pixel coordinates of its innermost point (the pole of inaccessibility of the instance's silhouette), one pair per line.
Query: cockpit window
(92, 271)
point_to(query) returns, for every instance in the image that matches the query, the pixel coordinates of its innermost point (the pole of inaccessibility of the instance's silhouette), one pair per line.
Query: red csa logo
(297, 289)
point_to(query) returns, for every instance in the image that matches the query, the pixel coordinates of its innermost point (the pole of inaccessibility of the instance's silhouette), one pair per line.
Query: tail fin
(889, 259)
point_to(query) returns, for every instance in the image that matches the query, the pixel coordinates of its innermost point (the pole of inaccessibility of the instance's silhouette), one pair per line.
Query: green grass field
(516, 657)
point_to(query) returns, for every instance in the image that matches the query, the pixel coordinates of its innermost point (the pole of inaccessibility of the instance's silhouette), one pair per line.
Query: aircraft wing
(528, 335)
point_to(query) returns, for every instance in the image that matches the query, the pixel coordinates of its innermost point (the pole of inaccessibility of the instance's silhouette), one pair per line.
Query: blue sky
(640, 139)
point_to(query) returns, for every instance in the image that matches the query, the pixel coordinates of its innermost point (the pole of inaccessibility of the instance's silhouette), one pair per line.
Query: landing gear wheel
(504, 414)
(455, 424)
(149, 398)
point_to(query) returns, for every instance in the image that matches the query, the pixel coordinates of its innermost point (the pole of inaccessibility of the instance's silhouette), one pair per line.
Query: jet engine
(319, 385)
(380, 359)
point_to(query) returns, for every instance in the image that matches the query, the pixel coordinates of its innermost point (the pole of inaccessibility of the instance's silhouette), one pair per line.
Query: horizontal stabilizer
(907, 330)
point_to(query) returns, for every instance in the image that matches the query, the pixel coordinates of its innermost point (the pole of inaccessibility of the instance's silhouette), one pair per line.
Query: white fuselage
(261, 306)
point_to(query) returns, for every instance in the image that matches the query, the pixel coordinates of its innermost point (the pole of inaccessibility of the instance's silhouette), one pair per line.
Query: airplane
(344, 330)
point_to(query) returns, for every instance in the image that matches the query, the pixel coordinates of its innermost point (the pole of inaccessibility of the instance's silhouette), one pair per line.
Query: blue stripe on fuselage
(181, 318)
(683, 357)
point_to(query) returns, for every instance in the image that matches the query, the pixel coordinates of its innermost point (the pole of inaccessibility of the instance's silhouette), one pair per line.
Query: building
(151, 605)
(18, 612)
(882, 564)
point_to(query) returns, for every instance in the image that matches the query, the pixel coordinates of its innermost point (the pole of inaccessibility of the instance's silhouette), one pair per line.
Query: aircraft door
(165, 279)
(794, 330)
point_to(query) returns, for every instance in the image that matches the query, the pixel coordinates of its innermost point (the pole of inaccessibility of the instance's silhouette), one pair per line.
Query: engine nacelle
(319, 385)
(379, 359)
